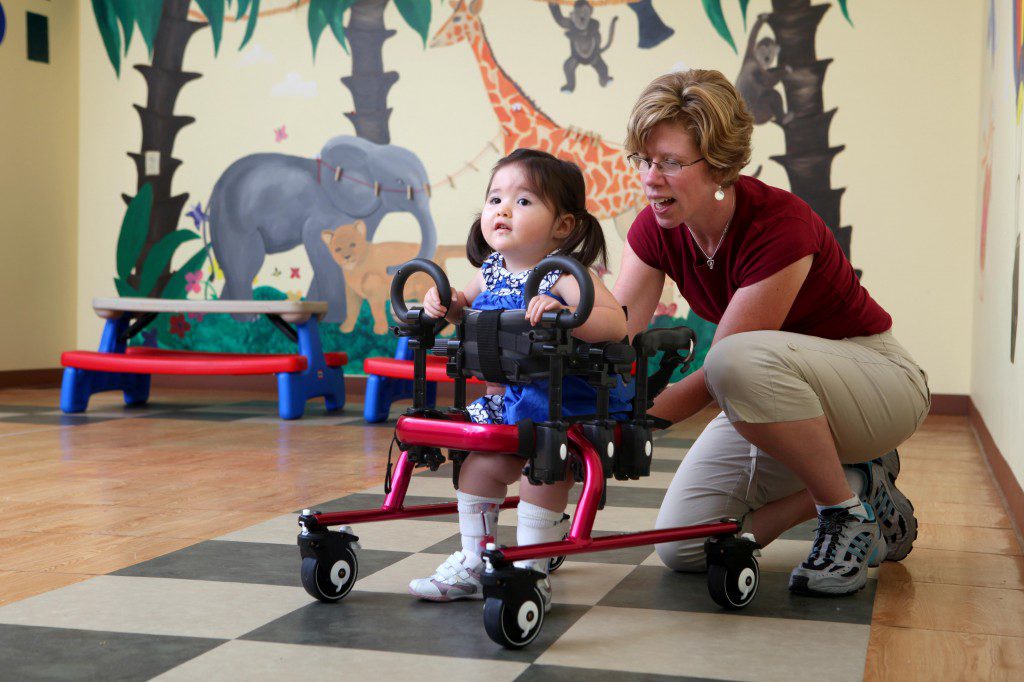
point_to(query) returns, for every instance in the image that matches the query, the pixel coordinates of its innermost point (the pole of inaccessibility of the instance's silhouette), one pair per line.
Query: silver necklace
(711, 259)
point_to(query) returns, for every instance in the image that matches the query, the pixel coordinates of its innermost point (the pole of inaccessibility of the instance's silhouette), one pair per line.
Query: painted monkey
(584, 34)
(756, 82)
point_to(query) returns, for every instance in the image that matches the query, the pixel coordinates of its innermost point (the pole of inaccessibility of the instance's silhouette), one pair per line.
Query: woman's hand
(432, 303)
(539, 305)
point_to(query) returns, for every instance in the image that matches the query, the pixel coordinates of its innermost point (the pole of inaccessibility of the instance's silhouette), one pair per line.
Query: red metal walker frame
(514, 604)
(461, 435)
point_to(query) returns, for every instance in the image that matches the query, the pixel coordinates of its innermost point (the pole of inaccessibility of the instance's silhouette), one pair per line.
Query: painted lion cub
(366, 277)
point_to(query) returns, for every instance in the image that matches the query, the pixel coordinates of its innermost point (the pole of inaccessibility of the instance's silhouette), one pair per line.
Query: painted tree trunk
(369, 83)
(808, 157)
(160, 127)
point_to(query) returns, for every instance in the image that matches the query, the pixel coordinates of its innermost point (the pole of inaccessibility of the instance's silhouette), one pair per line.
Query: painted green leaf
(124, 289)
(147, 16)
(176, 284)
(335, 14)
(713, 8)
(743, 11)
(125, 12)
(160, 256)
(106, 20)
(250, 27)
(842, 6)
(317, 22)
(242, 6)
(134, 229)
(214, 12)
(417, 14)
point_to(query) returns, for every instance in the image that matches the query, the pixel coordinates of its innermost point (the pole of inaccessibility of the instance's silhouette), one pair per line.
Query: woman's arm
(638, 287)
(762, 305)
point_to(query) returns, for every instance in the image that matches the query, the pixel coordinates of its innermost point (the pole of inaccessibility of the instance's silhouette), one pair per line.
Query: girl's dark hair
(561, 187)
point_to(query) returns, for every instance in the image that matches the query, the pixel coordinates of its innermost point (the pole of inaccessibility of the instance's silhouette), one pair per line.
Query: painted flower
(294, 295)
(179, 326)
(193, 281)
(295, 273)
(198, 317)
(198, 216)
(665, 310)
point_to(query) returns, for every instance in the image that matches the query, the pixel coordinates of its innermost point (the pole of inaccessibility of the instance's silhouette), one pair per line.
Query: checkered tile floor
(233, 607)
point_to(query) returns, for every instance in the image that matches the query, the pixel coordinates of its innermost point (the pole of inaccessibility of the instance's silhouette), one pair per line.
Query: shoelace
(832, 526)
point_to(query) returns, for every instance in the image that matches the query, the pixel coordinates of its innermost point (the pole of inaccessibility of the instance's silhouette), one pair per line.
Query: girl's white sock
(478, 521)
(537, 525)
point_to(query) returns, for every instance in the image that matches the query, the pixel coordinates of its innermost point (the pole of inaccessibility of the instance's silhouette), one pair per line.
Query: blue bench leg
(74, 390)
(335, 400)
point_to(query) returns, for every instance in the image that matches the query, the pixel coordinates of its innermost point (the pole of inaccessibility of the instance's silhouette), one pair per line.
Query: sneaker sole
(800, 584)
(444, 598)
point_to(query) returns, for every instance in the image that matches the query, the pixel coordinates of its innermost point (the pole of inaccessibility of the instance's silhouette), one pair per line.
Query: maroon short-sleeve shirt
(770, 229)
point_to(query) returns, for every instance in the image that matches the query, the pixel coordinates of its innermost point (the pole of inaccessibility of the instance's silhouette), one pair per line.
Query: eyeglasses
(667, 167)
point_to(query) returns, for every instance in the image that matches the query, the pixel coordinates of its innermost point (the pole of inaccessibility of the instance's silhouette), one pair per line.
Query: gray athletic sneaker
(895, 512)
(845, 544)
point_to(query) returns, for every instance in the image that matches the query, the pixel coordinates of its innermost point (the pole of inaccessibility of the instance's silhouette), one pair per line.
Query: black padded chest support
(487, 346)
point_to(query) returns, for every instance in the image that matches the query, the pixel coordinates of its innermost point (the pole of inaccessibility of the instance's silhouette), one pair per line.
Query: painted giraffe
(613, 188)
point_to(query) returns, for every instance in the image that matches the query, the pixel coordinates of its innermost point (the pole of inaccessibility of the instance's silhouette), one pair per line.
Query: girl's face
(517, 222)
(687, 194)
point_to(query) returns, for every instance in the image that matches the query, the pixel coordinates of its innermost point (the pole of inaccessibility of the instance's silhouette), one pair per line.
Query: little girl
(535, 207)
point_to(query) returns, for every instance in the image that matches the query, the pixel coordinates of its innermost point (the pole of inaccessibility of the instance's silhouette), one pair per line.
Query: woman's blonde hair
(708, 106)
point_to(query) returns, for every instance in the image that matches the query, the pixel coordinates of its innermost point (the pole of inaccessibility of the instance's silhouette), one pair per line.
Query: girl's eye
(494, 200)
(524, 202)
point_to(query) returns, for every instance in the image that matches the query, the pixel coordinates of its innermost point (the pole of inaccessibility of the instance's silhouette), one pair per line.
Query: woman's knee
(731, 362)
(686, 556)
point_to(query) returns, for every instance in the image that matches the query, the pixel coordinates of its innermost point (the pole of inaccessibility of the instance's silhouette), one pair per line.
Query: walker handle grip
(651, 341)
(405, 271)
(565, 319)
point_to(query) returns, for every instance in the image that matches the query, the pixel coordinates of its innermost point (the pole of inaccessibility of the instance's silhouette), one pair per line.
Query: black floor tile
(653, 587)
(37, 653)
(397, 622)
(559, 673)
(246, 562)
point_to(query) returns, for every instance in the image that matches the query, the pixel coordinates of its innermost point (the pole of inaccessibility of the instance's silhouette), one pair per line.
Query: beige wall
(38, 189)
(997, 385)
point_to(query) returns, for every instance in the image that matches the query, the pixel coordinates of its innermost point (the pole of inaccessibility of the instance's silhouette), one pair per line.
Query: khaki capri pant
(870, 389)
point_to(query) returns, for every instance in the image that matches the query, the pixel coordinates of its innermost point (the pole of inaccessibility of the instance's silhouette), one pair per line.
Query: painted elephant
(270, 203)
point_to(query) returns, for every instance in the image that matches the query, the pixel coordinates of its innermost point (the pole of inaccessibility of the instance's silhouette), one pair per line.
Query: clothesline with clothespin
(341, 175)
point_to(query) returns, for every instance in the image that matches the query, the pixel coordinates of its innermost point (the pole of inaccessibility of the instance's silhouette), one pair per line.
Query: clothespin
(408, 192)
(318, 164)
(470, 164)
(451, 181)
(338, 172)
(376, 189)
(426, 188)
(494, 146)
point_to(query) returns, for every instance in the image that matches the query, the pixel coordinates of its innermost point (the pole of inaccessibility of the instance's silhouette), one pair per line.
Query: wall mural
(328, 206)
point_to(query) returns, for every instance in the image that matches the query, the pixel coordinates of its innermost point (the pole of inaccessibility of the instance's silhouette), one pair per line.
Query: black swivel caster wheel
(554, 562)
(330, 578)
(734, 585)
(514, 621)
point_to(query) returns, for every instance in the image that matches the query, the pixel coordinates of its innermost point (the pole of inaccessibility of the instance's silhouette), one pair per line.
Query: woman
(803, 364)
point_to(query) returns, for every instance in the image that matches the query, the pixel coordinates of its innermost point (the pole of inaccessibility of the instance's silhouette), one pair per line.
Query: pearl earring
(719, 193)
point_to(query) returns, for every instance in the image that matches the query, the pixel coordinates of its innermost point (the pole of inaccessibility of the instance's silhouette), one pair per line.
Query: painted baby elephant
(270, 203)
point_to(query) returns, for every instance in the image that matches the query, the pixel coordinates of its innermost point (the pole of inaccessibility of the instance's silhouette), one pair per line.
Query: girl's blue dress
(503, 290)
